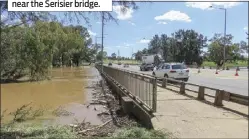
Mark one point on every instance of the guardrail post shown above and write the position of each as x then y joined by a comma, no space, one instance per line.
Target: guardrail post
154,101
182,88
201,93
218,98
164,83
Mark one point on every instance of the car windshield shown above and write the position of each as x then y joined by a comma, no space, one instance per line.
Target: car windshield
179,66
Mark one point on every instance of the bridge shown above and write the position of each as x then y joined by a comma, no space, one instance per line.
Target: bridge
168,104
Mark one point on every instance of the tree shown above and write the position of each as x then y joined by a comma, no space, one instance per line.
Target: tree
181,46
138,55
243,47
216,49
154,45
30,50
113,56
99,55
156,60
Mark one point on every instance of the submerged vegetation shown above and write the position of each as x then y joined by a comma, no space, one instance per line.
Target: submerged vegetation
20,128
30,50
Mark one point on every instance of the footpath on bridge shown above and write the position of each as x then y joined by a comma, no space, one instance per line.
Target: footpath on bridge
186,117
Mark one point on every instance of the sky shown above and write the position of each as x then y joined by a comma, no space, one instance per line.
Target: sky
135,28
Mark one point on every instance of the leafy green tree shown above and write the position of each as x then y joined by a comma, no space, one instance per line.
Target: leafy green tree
114,56
99,55
216,49
30,50
181,46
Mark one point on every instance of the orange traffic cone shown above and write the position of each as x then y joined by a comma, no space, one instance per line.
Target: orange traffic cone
236,74
216,72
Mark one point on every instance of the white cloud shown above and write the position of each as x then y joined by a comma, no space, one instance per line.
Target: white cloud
127,44
206,5
144,41
98,22
122,12
174,16
118,46
245,28
164,23
107,48
132,23
92,33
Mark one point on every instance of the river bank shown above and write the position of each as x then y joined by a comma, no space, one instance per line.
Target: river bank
100,116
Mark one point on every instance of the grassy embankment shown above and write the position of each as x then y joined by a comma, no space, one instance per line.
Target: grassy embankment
205,63
22,127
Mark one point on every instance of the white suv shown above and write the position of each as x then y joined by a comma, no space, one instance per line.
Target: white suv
172,70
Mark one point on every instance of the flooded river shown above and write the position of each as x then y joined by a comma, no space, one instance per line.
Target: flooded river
66,86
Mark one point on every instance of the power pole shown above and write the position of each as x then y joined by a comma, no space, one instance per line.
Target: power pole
102,42
224,50
118,55
96,41
132,55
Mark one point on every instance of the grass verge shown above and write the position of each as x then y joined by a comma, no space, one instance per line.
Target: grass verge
19,130
229,64
205,63
19,127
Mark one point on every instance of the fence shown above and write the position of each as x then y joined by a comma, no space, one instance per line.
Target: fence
219,96
203,91
142,88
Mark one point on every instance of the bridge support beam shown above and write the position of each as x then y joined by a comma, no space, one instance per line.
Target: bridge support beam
127,104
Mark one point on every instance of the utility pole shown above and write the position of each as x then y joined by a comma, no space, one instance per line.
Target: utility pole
224,50
132,55
224,41
102,42
118,56
96,41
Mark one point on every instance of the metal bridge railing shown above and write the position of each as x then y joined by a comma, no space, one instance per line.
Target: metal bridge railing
143,88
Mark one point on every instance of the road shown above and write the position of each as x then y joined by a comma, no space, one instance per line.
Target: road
224,80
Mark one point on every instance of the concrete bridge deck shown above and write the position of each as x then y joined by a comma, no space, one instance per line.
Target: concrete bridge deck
187,117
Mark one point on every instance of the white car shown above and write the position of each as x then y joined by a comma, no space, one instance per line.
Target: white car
177,71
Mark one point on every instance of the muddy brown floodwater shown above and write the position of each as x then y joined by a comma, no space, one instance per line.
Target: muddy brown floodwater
65,88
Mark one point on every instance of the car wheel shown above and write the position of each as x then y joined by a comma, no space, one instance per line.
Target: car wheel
166,76
186,79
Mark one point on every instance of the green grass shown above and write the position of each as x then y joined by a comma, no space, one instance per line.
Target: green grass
21,130
138,132
205,63
229,64
22,127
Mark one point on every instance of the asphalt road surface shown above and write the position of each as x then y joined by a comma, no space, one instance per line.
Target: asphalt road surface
224,80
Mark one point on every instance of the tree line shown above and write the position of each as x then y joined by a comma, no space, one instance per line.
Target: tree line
187,46
30,49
